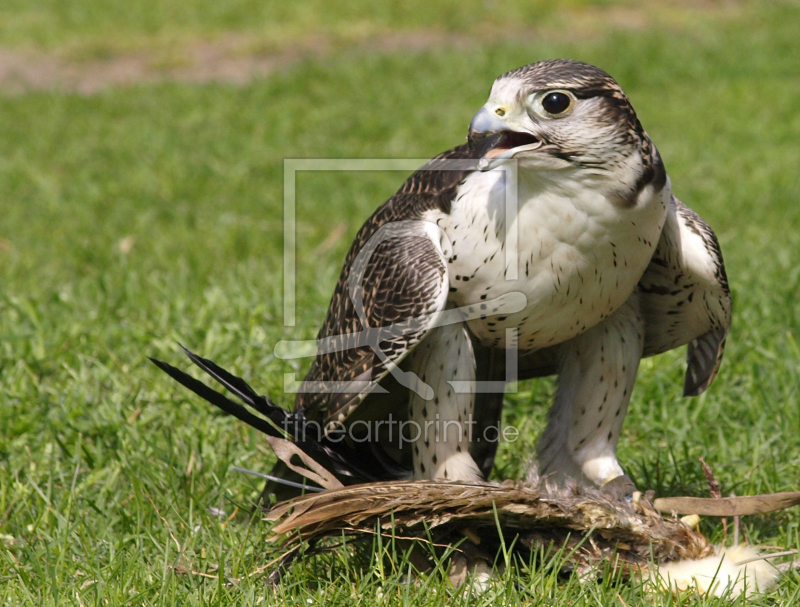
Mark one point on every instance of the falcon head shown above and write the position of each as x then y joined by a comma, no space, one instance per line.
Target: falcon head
559,114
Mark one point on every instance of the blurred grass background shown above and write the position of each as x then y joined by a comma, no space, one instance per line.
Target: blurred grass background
152,213
103,27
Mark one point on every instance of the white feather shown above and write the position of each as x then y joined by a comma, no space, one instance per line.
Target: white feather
724,574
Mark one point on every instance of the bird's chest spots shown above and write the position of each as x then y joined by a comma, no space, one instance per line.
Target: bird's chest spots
576,261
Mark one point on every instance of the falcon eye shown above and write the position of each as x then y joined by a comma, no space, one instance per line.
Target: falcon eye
556,103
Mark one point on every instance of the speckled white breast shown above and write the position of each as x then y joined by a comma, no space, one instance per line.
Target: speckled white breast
579,253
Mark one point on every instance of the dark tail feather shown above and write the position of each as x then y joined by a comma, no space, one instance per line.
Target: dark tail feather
337,456
239,387
326,455
220,400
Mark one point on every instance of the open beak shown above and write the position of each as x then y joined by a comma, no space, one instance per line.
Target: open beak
493,140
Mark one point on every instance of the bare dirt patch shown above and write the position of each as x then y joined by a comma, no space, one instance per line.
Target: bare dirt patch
202,62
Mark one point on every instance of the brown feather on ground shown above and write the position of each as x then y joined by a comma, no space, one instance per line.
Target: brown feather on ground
538,514
592,527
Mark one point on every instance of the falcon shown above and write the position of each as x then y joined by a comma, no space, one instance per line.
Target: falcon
594,265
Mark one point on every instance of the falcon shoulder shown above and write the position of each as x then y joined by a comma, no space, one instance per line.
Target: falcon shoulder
392,287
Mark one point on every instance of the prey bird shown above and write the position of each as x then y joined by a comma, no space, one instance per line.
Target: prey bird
591,266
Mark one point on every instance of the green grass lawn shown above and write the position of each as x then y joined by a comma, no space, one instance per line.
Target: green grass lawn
143,216
102,28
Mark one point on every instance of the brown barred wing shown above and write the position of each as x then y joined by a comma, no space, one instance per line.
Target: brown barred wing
392,290
392,287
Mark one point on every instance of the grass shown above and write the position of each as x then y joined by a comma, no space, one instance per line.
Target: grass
103,27
138,217
97,29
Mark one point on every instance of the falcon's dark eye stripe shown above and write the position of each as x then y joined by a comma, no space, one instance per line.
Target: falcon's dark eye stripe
556,103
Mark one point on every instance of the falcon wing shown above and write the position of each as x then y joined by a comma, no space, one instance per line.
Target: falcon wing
685,296
392,288
685,299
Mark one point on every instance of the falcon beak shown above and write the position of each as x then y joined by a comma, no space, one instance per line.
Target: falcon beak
486,122
494,140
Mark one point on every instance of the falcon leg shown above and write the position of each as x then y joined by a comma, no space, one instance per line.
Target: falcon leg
442,427
596,373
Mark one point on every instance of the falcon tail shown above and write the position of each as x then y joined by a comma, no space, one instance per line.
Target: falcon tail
275,414
275,421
